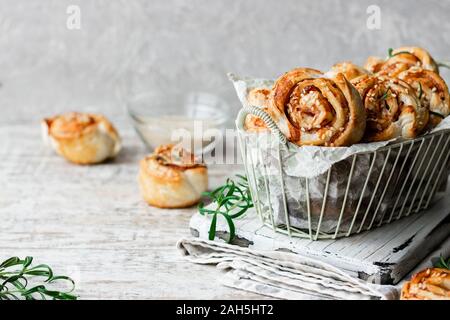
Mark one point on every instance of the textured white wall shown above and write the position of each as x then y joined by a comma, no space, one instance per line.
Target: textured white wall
172,45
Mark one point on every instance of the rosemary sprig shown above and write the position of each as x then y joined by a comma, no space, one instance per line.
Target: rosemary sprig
231,201
385,95
420,91
442,263
392,54
15,276
436,114
444,64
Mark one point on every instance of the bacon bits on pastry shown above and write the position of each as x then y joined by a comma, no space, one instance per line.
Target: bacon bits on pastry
392,108
172,178
431,90
404,58
429,284
348,69
311,109
82,138
258,97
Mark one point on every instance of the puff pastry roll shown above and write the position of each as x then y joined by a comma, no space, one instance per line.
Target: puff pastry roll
258,97
431,90
429,284
311,109
172,178
404,58
373,64
392,108
348,69
82,138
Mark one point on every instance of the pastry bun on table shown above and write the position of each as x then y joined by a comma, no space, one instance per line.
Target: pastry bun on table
431,90
82,138
429,284
348,69
258,97
392,108
312,109
172,178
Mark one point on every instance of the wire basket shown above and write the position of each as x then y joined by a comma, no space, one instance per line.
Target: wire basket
357,194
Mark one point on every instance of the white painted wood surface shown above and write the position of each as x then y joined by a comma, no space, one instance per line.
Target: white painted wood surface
90,222
383,256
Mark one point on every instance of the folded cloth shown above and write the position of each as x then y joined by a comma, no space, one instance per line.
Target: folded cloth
279,274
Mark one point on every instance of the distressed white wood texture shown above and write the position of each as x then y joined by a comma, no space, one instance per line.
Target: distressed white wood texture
384,255
89,222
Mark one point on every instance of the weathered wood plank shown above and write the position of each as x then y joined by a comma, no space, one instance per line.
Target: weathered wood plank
90,222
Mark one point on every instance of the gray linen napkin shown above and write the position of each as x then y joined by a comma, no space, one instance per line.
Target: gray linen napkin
280,275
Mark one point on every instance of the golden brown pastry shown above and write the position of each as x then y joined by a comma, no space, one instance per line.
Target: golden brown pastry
82,138
402,59
429,284
311,109
348,69
172,178
373,64
392,108
258,97
431,90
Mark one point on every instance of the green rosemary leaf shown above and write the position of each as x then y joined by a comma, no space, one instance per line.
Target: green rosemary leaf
436,114
390,50
385,95
231,201
444,64
230,226
212,228
14,281
10,262
442,263
392,54
420,91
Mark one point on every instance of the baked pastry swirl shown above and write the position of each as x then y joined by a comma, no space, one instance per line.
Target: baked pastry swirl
429,284
258,97
348,69
402,59
431,90
172,178
392,108
82,138
311,109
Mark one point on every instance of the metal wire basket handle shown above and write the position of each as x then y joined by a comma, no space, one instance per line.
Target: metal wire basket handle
257,111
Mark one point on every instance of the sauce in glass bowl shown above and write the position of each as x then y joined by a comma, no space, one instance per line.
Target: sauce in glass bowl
194,119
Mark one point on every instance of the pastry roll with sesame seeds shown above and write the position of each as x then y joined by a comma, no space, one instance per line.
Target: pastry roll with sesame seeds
172,177
402,59
258,97
373,64
81,138
348,69
429,284
431,90
392,108
312,109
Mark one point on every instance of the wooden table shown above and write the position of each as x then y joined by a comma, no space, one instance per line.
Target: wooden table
90,222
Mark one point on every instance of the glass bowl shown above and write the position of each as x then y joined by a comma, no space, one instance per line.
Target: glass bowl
194,119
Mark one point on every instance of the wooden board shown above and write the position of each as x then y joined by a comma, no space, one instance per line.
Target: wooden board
383,255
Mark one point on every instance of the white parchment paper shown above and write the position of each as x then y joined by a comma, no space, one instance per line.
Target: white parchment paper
310,161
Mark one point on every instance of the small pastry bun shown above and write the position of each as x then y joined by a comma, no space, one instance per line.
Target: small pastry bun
171,178
429,284
81,138
348,69
258,97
